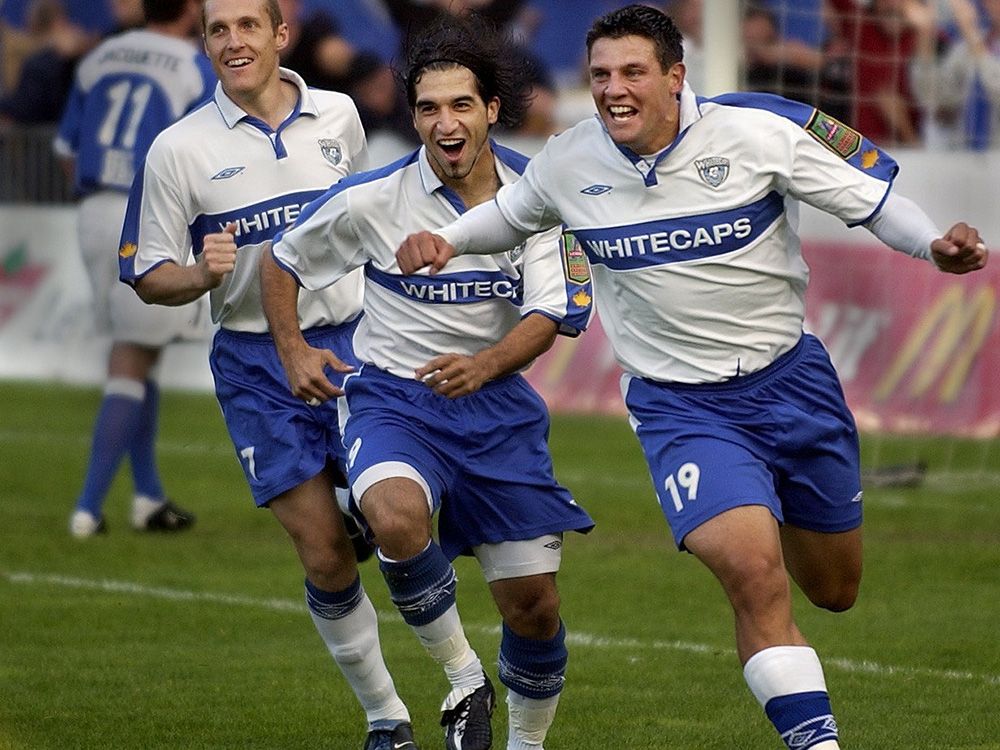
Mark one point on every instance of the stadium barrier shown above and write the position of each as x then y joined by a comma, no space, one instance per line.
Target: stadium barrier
917,350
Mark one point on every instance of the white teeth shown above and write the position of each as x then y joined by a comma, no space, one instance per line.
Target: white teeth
620,110
239,62
451,142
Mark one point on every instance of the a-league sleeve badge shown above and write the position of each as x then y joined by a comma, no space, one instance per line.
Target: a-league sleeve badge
574,260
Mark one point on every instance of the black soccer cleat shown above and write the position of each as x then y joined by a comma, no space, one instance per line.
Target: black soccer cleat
363,549
168,517
398,738
467,725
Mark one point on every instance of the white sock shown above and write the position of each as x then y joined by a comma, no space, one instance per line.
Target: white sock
354,644
529,720
445,641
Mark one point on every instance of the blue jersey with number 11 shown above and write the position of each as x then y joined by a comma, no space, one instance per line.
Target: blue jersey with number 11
127,90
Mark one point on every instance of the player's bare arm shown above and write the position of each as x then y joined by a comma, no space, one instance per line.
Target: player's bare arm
961,250
171,284
305,366
424,249
455,375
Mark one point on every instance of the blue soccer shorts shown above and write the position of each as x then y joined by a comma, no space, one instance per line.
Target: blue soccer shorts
482,459
781,437
280,440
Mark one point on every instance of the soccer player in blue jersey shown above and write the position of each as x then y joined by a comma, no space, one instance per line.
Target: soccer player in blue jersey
683,208
126,91
223,182
438,419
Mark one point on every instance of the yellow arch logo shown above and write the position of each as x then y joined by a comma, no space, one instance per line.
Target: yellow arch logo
945,343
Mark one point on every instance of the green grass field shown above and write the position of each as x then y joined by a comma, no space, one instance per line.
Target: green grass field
202,641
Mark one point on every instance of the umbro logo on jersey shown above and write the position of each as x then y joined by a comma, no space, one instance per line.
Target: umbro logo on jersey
228,172
596,189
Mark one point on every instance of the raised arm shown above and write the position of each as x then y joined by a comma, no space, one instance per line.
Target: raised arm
483,230
903,226
455,375
172,284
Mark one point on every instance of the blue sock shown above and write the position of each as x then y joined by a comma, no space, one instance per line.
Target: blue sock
334,605
114,431
534,669
802,719
423,587
142,450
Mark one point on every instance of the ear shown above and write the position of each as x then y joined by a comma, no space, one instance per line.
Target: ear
675,77
281,36
493,110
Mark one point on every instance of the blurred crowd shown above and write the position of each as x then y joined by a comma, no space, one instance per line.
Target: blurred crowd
904,72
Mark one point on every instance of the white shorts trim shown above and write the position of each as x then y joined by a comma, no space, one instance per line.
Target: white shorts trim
518,559
389,470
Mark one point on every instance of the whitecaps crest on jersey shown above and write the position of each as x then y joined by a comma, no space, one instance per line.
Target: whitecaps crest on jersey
331,150
713,170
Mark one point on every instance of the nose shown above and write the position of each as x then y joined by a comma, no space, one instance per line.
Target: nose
615,85
447,122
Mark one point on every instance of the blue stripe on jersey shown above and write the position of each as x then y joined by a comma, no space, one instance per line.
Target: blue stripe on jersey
867,157
513,159
450,288
654,243
354,179
255,223
129,242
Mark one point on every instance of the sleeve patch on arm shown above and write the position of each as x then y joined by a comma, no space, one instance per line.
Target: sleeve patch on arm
835,135
574,260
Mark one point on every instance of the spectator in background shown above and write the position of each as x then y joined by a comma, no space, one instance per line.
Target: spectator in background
881,43
46,75
789,67
127,14
132,86
960,87
327,60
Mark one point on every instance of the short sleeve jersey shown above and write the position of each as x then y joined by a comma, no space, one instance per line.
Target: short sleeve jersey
471,305
697,268
126,91
220,166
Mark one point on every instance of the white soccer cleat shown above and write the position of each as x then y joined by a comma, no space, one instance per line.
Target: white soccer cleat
83,524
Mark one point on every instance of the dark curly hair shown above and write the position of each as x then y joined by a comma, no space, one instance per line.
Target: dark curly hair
644,21
473,42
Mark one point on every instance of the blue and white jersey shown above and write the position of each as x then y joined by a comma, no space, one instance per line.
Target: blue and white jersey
469,306
126,91
220,165
697,268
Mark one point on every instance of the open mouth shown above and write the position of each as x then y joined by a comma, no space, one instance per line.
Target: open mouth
238,62
452,147
622,112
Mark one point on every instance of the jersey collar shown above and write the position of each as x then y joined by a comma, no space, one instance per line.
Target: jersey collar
232,113
689,114
431,182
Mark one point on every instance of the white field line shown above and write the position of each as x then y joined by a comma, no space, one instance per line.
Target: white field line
586,640
944,481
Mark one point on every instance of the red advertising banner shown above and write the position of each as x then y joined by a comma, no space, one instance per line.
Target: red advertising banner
917,350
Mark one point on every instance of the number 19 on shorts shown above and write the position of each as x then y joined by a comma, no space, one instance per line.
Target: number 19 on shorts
683,486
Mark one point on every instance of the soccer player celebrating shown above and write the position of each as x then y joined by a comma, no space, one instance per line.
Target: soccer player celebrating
680,205
224,181
126,91
438,416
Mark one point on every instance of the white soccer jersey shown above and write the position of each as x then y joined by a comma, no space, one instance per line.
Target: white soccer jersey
125,92
411,319
697,269
220,165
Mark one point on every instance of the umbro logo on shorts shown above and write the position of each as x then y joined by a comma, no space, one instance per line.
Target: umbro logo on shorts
554,544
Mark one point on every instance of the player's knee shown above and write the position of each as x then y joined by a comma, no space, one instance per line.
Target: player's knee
533,613
754,581
837,596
